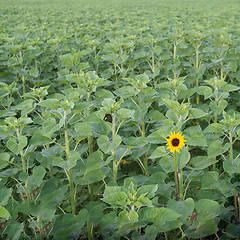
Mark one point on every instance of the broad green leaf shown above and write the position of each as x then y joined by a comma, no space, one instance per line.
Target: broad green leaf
185,208
143,201
4,160
202,162
83,129
15,147
38,175
126,91
230,88
64,164
116,199
157,136
34,72
172,105
196,113
14,230
194,136
207,207
50,103
159,152
218,107
106,146
205,90
167,163
125,113
183,157
40,140
226,187
143,78
4,213
147,191
50,126
5,194
25,107
160,216
210,180
45,211
214,127
216,148
202,229
67,224
155,115
94,162
91,177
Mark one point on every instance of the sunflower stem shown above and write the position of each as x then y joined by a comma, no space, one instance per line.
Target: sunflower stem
180,184
176,175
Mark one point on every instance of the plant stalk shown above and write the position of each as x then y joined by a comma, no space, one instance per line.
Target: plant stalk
181,184
72,192
176,175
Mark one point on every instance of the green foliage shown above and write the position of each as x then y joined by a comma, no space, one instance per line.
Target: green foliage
89,92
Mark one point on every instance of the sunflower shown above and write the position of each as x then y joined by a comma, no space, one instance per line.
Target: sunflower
175,142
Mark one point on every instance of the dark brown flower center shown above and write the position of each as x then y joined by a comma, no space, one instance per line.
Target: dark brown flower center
175,142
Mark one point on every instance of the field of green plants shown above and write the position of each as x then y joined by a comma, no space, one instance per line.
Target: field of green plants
90,92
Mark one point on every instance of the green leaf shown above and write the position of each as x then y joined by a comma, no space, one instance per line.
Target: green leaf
203,229
67,224
15,147
38,175
183,157
4,213
185,208
159,152
214,128
210,180
202,162
157,136
172,105
216,148
5,194
233,65
226,187
147,191
39,140
133,215
126,91
25,107
143,201
45,211
204,90
51,194
218,107
125,113
50,126
167,163
143,78
160,216
116,199
14,230
34,72
50,103
91,177
194,136
65,164
155,115
196,113
230,88
4,160
94,162
106,146
83,129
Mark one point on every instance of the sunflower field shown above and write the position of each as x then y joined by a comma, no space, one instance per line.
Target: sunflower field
119,119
